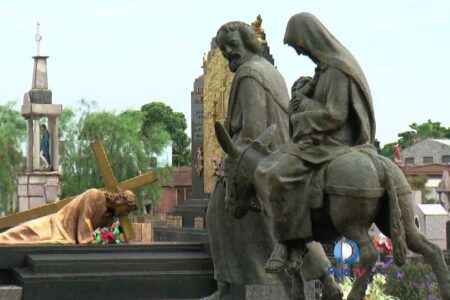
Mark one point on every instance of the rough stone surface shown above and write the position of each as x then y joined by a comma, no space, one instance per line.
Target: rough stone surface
22,179
41,109
261,292
36,201
10,292
197,150
53,179
42,187
22,190
23,203
36,179
51,192
35,190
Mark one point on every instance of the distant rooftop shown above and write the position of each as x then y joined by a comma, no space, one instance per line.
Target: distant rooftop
442,141
426,169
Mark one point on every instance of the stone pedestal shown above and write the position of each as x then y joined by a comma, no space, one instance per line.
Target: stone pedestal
10,292
38,188
142,233
431,219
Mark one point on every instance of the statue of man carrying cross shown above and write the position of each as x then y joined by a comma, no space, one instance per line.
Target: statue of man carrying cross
73,220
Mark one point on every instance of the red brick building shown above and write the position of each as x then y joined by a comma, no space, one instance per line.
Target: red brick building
175,192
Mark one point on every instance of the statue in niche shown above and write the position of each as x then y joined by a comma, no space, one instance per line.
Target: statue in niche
327,181
44,147
258,98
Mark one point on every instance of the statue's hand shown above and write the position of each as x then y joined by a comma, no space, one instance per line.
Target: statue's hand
295,104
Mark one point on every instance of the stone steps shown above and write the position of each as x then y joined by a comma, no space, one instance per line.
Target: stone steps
117,262
163,234
116,285
153,271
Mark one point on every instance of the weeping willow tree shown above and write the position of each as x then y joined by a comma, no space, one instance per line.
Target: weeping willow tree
12,162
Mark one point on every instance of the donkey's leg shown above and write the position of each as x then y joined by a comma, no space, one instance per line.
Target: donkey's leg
293,286
419,244
315,265
352,218
368,256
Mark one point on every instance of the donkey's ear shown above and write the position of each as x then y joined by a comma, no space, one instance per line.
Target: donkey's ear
267,136
225,141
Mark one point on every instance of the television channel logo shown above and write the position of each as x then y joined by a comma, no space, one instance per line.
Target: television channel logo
347,252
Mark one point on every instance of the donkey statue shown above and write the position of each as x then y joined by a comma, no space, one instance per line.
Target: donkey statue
361,188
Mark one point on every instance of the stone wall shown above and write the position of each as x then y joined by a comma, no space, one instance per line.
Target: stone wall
38,188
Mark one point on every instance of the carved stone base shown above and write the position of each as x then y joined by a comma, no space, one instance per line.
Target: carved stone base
38,188
10,292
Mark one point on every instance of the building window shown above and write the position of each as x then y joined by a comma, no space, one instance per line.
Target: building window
446,159
427,159
409,161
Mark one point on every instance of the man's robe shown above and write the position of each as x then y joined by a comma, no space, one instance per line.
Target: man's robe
73,224
240,247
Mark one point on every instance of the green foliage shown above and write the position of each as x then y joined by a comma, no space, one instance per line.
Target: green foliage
12,135
417,182
375,291
124,144
414,281
388,150
419,132
160,116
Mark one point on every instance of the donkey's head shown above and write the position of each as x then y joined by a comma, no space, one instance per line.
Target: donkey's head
240,165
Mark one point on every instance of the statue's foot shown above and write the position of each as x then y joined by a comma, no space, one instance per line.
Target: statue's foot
295,261
330,289
277,261
332,293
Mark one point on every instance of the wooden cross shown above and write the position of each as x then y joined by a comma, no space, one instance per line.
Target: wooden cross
110,185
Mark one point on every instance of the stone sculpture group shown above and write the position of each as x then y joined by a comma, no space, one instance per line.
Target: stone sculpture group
308,164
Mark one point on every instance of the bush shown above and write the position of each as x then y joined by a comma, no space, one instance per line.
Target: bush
414,281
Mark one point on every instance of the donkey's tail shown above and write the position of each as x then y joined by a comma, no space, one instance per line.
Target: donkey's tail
396,226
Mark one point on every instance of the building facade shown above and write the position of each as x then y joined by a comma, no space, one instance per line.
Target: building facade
428,151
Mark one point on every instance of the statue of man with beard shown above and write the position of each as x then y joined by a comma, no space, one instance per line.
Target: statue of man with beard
258,99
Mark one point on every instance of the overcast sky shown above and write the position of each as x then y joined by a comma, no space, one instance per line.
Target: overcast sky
124,54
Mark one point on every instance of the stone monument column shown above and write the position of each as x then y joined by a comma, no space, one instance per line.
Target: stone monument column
39,185
36,142
30,145
54,142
